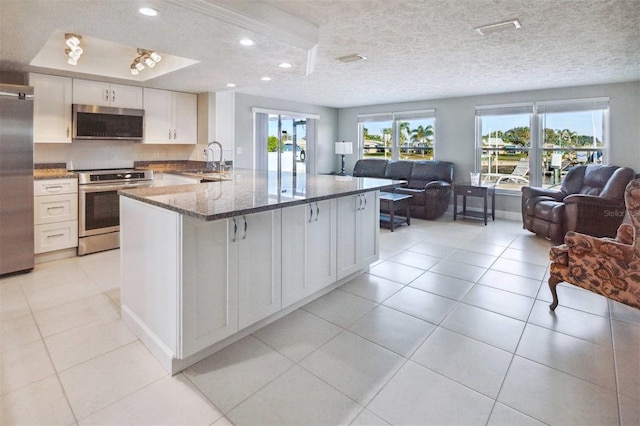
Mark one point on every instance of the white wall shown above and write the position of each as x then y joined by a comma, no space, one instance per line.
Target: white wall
455,125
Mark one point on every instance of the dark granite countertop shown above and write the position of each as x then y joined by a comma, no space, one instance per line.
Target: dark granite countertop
252,191
43,171
171,166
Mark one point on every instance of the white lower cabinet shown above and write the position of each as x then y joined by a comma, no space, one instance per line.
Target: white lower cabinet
308,249
358,223
258,253
209,291
55,215
230,276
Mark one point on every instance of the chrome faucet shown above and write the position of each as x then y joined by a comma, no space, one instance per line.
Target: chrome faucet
221,161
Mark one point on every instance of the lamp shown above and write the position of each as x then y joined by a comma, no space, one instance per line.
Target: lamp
73,49
344,148
145,57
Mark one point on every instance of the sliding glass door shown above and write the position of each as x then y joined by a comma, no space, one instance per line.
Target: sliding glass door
287,144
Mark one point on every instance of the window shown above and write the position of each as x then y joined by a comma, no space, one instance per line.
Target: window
572,133
398,136
504,145
537,144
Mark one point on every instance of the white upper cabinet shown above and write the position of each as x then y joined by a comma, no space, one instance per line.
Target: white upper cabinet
185,115
87,92
51,108
170,117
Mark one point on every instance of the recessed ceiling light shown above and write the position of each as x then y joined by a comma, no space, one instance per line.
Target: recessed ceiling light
265,78
147,11
231,85
285,65
247,42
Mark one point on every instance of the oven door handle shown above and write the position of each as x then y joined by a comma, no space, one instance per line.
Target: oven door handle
102,187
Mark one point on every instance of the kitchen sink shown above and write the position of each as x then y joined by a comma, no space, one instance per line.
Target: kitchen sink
209,175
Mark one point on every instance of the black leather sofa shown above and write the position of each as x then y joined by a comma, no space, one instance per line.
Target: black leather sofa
428,182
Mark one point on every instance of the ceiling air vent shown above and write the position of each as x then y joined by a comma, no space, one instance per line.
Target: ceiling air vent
513,24
351,58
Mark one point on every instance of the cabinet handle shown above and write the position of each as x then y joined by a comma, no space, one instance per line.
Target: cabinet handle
67,131
245,227
50,188
106,95
364,197
169,133
310,213
174,134
55,235
55,208
235,230
317,212
113,96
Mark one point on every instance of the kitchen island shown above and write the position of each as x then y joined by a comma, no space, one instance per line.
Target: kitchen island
204,265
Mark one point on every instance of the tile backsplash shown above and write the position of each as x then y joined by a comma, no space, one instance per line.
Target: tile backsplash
84,155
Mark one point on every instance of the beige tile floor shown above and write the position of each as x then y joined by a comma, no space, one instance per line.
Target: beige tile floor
451,326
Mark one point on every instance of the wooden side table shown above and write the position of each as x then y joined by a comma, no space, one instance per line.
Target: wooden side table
468,190
390,201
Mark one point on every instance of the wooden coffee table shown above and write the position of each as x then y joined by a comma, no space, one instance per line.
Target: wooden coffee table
391,201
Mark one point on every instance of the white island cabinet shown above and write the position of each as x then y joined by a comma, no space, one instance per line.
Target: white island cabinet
204,265
308,249
358,242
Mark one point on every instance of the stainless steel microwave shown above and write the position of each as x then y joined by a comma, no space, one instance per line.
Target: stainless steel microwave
99,122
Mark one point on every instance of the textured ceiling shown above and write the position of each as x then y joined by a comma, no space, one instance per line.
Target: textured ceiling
416,49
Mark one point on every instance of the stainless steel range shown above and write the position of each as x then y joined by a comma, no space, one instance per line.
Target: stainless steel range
99,205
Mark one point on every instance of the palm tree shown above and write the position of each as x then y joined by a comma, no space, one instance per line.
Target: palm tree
568,136
422,134
404,132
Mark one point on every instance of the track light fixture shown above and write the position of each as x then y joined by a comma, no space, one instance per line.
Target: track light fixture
145,57
73,50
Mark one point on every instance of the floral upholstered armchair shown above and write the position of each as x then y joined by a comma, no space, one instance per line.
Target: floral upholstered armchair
609,267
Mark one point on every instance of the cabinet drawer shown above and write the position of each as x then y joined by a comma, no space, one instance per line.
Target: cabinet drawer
55,187
55,208
474,191
56,236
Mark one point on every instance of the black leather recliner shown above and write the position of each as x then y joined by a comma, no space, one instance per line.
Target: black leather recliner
590,201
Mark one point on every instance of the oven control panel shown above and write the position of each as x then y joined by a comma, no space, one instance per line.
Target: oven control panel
117,176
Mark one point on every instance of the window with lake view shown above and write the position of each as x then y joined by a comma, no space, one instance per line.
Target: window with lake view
398,136
536,144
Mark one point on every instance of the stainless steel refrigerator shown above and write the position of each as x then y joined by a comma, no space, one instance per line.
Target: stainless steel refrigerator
16,178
